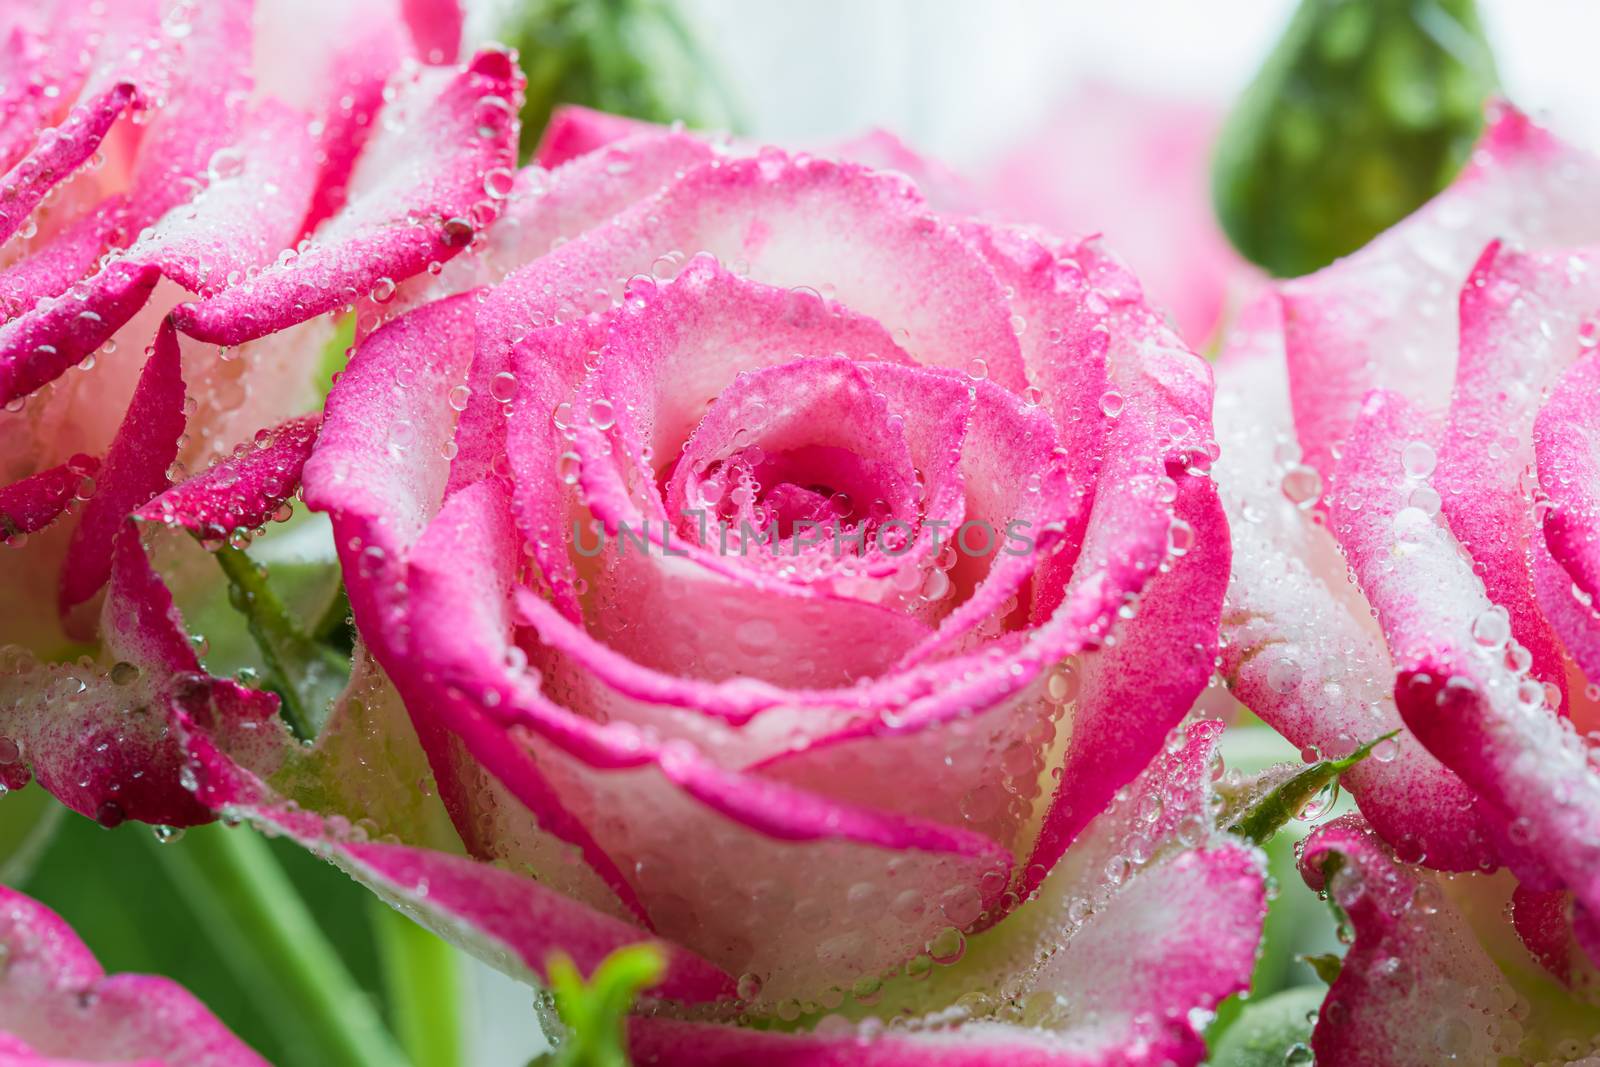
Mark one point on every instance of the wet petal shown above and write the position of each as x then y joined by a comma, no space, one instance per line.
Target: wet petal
57,1003
406,208
135,470
1385,316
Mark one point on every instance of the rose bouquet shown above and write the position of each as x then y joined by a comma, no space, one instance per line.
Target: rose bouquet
769,558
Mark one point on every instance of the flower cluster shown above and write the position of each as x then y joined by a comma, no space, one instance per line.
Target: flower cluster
878,795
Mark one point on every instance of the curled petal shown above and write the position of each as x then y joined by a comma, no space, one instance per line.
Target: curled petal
244,490
99,735
1520,321
406,208
1567,559
435,27
57,1004
1460,690
61,331
60,152
575,131
1299,648
135,469
32,504
1382,317
1416,988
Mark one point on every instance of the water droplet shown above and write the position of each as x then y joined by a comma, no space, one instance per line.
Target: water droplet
498,182
1418,458
503,387
1492,629
1302,485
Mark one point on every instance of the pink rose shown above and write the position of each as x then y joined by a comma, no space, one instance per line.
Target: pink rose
1461,608
159,153
816,768
57,1007
152,153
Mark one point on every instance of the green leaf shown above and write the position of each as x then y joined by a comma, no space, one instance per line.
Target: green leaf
628,57
422,983
1275,1032
264,929
1364,110
593,1012
28,820
1264,815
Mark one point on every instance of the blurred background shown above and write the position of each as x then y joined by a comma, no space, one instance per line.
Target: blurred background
962,80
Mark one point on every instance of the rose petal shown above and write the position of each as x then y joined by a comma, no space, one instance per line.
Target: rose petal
1162,531
250,210
60,152
406,209
435,27
331,61
1383,317
381,498
57,999
32,504
98,736
245,489
207,91
135,469
1456,690
1299,646
1520,321
251,207
1416,987
1566,559
70,255
575,131
889,259
774,831
1107,957
57,333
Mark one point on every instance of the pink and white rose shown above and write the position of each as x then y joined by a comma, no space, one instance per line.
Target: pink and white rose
894,772
1408,467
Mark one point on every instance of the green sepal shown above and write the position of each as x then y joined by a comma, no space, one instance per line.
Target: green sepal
628,57
594,1012
1326,964
1264,815
1272,1032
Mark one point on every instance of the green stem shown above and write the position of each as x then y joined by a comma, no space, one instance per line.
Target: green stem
422,982
305,673
259,922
